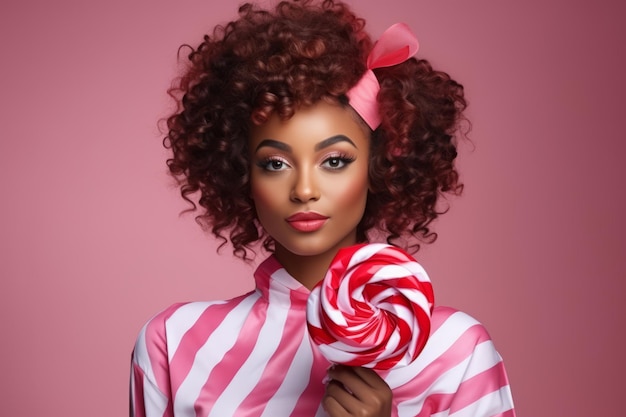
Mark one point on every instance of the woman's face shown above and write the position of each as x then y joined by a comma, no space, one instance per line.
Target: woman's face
309,179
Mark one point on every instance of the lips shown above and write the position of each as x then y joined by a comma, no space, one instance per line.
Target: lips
307,222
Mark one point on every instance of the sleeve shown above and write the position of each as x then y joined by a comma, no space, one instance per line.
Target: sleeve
150,394
483,388
458,374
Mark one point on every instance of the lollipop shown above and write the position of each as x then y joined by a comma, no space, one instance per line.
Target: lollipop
372,309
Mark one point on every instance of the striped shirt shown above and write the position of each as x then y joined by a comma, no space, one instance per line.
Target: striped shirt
251,356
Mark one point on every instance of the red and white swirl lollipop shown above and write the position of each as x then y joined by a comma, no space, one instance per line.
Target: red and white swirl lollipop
372,309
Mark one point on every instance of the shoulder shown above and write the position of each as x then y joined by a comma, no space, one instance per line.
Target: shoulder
457,336
459,370
459,348
462,345
162,333
151,343
451,322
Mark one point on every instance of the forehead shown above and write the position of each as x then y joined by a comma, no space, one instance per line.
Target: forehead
312,124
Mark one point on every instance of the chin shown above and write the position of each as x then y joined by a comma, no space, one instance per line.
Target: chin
308,248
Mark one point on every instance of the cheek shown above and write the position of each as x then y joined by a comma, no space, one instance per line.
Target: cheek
258,188
260,197
265,198
352,191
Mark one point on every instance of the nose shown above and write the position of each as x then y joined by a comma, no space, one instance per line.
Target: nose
305,187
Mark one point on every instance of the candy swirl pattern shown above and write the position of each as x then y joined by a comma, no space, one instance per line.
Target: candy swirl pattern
372,308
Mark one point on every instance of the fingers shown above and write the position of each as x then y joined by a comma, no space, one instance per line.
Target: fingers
355,391
359,382
370,377
338,401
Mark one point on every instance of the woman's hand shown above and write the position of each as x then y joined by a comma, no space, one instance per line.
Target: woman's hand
356,391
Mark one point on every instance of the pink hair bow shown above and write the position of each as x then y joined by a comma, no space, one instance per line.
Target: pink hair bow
396,45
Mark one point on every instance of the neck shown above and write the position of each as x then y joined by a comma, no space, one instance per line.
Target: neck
308,270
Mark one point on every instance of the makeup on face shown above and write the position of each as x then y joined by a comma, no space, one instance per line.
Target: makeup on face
309,179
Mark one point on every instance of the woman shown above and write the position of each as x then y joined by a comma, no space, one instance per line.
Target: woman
295,133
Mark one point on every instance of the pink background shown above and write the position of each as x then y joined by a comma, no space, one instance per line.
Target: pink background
92,244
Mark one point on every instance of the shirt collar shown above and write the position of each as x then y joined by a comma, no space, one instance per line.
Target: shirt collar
277,286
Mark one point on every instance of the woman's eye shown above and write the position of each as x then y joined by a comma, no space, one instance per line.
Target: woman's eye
337,162
273,165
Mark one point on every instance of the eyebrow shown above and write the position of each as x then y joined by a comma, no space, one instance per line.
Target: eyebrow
323,144
332,140
273,144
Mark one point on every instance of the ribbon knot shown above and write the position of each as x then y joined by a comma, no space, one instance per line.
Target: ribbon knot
396,45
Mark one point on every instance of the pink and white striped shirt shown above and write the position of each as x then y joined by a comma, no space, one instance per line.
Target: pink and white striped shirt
252,356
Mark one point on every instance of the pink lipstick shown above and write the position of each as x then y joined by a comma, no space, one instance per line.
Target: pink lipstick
307,222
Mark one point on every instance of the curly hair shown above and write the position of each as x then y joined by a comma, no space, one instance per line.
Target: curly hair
275,61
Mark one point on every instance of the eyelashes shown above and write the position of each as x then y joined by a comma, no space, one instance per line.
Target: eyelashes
335,162
272,164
